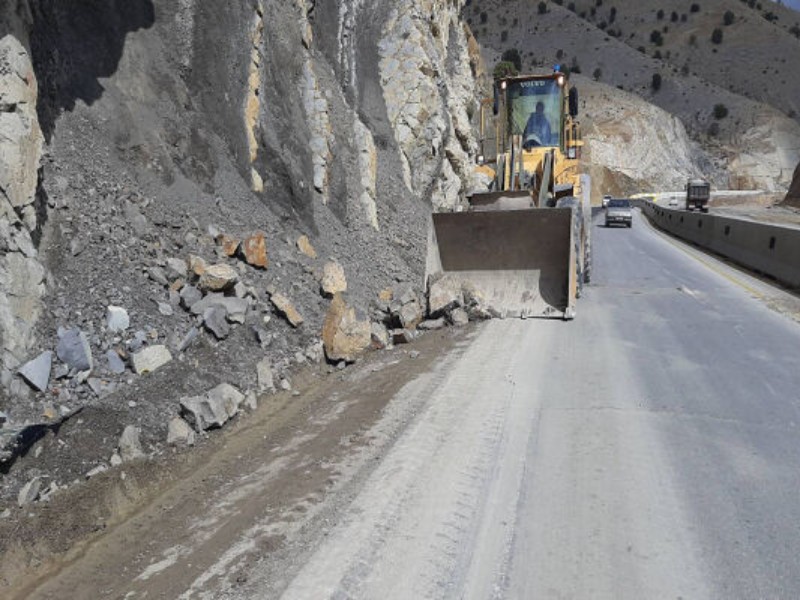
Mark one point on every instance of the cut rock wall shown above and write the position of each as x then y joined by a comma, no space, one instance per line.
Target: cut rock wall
21,141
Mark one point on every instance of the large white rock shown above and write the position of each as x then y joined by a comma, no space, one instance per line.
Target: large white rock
117,319
130,447
179,432
37,371
150,359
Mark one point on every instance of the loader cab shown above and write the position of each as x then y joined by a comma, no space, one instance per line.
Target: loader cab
536,111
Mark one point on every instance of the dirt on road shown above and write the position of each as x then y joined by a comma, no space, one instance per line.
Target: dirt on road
178,522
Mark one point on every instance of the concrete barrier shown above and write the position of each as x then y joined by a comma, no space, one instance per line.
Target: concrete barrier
769,249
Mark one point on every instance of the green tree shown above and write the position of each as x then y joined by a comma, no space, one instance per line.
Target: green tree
512,55
728,18
720,111
504,69
656,38
655,83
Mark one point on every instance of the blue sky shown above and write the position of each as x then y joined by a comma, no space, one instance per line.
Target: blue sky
795,4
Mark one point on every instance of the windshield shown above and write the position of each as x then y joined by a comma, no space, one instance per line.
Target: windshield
619,204
535,112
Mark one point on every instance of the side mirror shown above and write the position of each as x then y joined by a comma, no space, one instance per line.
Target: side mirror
573,102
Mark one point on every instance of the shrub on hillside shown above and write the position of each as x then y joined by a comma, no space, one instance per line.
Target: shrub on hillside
728,18
655,83
795,30
512,55
713,129
542,8
656,38
504,69
673,17
597,74
716,36
484,18
720,111
660,14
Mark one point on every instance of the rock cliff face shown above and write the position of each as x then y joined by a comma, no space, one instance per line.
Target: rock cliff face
633,145
168,123
21,209
793,197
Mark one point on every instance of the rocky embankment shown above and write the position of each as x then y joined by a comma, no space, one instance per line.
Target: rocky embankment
199,199
793,197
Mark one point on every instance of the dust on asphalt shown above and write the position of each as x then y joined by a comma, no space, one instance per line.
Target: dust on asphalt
94,539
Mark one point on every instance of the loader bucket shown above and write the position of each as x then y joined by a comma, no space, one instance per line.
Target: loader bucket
517,263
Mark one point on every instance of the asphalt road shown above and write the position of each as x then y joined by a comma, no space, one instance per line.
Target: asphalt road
648,449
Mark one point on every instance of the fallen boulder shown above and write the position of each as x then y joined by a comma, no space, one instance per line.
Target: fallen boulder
150,359
213,409
29,492
304,245
217,278
130,448
343,335
287,309
37,371
180,433
73,350
117,319
254,251
333,279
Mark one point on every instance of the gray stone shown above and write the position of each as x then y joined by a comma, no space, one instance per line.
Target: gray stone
179,433
188,339
266,381
139,338
115,460
251,400
96,471
150,359
218,277
37,371
73,350
117,319
101,388
433,324
230,398
157,274
235,308
3,418
29,492
459,317
130,448
410,314
115,363
414,354
214,319
379,336
176,269
190,296
203,413
444,295
165,308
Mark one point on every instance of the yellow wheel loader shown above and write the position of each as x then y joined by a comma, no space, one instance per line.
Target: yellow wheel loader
521,249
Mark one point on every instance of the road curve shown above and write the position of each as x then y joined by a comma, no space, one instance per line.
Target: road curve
648,449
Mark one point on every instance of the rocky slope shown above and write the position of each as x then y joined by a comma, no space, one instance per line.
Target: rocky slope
217,183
